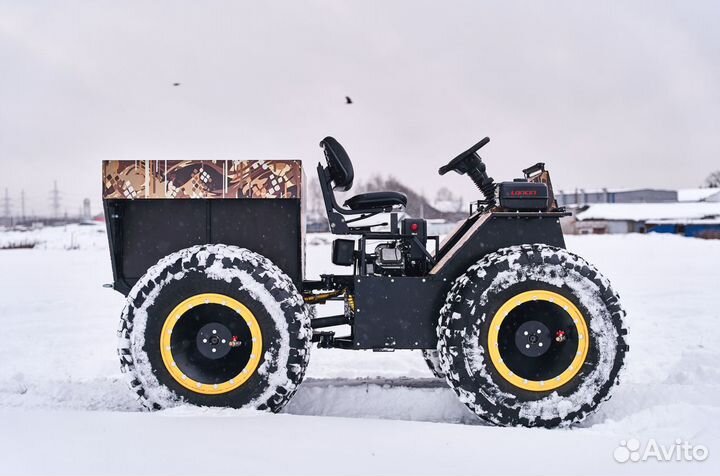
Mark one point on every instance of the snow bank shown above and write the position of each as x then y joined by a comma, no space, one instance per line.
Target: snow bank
58,360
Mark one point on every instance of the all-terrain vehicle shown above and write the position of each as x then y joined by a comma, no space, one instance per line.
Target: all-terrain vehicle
210,255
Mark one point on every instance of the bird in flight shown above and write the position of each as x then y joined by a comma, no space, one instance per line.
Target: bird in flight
348,100
176,84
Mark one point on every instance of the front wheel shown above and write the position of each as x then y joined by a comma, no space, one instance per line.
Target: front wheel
532,335
215,325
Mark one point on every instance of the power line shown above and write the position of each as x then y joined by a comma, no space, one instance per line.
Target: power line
22,205
55,200
6,205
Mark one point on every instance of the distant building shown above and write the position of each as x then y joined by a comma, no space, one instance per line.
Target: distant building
581,197
699,195
708,228
687,218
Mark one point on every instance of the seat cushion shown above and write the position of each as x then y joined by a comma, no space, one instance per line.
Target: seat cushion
373,200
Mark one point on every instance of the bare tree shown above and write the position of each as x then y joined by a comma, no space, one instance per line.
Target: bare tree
314,198
713,180
448,201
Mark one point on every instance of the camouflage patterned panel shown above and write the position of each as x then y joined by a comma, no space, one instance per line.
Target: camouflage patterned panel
130,179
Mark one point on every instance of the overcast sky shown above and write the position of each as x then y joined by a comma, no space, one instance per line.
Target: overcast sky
608,94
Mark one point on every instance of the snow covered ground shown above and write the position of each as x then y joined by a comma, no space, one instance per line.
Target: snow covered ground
65,409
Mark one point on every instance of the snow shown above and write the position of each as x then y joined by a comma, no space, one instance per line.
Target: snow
65,407
698,194
649,211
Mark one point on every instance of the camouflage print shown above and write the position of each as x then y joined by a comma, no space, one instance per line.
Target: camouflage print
130,179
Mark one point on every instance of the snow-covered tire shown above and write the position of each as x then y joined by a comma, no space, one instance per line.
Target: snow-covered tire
255,299
489,292
433,362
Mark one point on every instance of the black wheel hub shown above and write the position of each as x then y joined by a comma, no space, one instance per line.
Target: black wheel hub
533,338
526,340
213,340
203,346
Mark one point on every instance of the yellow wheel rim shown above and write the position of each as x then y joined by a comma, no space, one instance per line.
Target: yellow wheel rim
580,326
166,349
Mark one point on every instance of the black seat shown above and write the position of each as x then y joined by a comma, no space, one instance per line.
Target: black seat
339,165
376,200
339,175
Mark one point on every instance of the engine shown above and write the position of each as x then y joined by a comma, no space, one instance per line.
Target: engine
405,257
387,260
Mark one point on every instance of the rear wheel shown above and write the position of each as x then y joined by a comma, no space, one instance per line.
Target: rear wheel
215,325
433,362
532,335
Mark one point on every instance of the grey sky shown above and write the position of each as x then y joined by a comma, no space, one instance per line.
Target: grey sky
607,93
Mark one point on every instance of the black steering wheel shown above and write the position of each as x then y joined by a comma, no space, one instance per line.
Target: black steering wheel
464,162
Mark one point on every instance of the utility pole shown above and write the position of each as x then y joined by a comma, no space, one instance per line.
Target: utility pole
86,213
55,200
6,208
22,205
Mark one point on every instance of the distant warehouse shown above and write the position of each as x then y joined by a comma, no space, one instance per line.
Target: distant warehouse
700,219
581,197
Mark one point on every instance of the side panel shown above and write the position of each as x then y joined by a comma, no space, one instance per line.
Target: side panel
142,231
495,231
397,313
402,312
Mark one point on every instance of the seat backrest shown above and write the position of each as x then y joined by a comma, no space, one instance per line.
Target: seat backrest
339,165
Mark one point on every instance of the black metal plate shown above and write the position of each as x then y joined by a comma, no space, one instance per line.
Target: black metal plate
141,232
397,313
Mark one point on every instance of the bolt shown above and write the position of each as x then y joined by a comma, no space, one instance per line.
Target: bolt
215,332
214,349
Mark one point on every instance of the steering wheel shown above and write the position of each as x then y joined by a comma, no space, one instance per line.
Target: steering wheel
463,162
